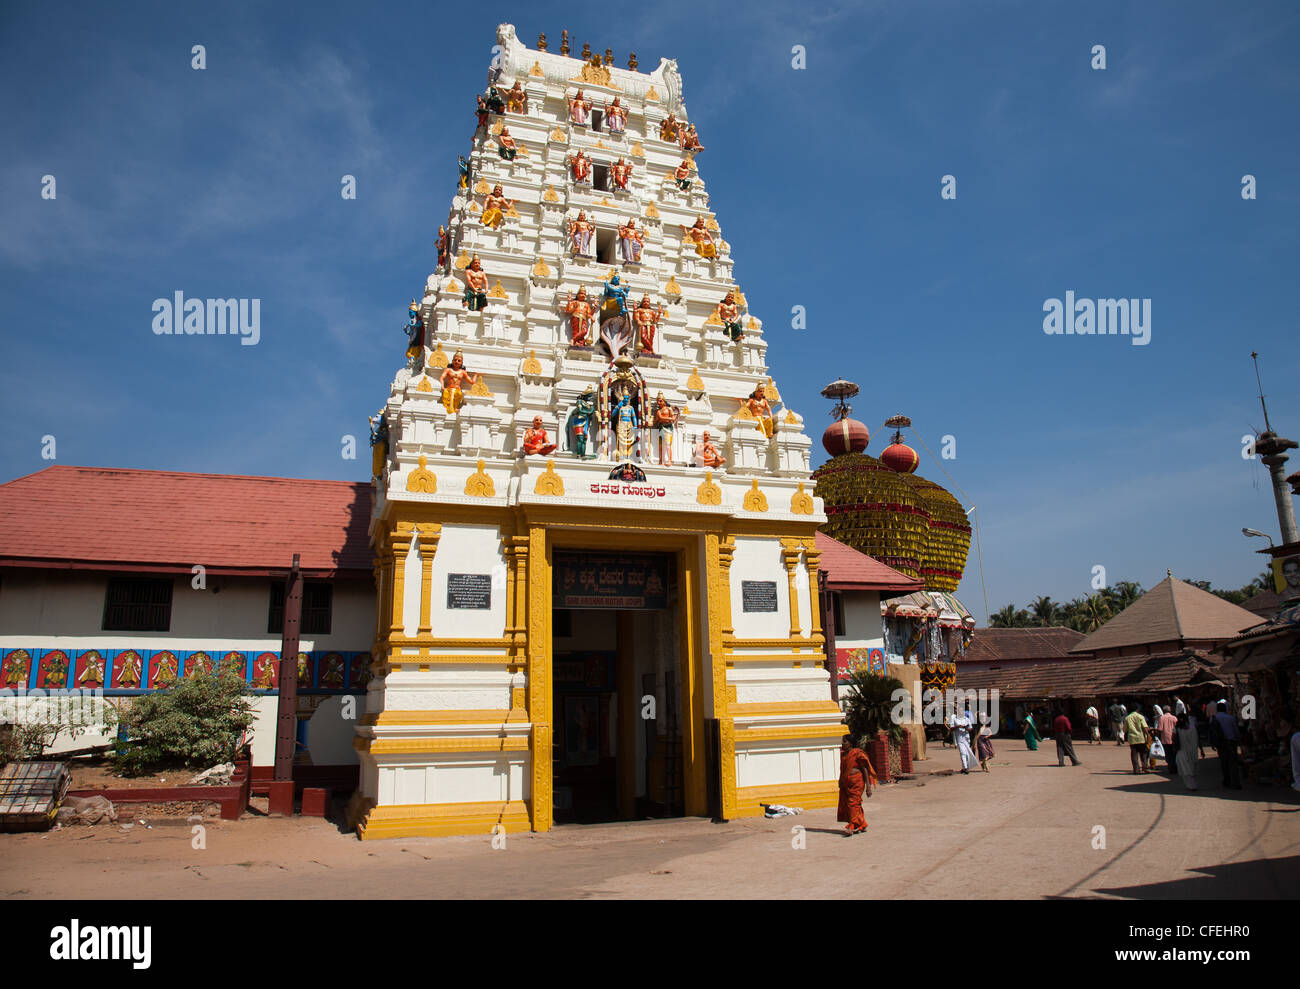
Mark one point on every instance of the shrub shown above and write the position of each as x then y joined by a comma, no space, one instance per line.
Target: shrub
198,722
869,705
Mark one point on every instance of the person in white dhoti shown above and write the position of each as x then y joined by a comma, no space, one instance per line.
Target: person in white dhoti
1188,744
961,725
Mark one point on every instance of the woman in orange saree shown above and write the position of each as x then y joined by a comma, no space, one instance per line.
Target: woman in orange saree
856,775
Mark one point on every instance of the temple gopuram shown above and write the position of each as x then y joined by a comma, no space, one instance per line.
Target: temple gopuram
593,520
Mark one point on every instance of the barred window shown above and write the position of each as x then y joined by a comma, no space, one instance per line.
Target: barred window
138,604
317,607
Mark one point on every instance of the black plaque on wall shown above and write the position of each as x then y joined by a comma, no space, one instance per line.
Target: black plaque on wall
758,595
469,591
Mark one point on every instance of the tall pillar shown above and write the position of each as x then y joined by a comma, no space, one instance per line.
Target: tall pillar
1272,451
539,676
429,534
399,542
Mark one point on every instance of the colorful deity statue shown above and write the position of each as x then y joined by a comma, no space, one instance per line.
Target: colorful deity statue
494,101
481,111
494,208
414,332
729,313
706,452
475,297
690,140
93,674
761,410
378,444
646,317
580,310
579,109
506,146
682,176
443,244
619,173
55,665
665,420
626,423
580,233
462,181
165,671
630,241
668,128
701,238
516,99
14,671
128,672
304,670
536,439
580,166
584,408
615,294
454,379
264,671
616,115
332,673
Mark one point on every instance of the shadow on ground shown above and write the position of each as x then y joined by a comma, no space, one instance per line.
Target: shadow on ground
1257,879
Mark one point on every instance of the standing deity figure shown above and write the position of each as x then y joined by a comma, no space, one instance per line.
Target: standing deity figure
580,422
264,671
761,410
665,420
494,208
646,317
626,425
14,673
536,439
615,292
579,109
619,173
516,99
690,140
580,310
481,110
94,671
706,453
378,444
128,675
506,146
56,669
682,175
729,312
332,674
580,231
630,240
616,114
701,238
668,128
462,169
475,286
580,165
443,243
454,378
166,674
414,332
494,101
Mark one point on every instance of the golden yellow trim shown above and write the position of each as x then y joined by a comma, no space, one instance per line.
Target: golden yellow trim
835,731
496,129
436,820
801,502
769,390
399,542
784,707
481,187
518,698
559,135
651,94
711,224
466,716
693,382
731,657
498,292
531,364
422,479
425,384
549,482
479,484
790,418
536,70
430,533
452,286
541,269
438,358
539,674
755,500
744,414
636,150
809,796
708,493
409,746
714,319
550,195
461,262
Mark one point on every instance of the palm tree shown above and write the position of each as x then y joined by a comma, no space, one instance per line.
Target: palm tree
1004,617
1044,610
870,705
1094,613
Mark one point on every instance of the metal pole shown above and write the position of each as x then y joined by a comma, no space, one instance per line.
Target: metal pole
286,732
828,630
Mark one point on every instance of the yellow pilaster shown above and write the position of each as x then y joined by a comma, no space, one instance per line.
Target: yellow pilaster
539,674
812,559
430,532
399,542
718,555
790,552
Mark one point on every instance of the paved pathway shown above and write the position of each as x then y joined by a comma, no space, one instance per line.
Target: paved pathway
1025,830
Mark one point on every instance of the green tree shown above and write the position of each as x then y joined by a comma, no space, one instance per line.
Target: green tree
870,704
1044,610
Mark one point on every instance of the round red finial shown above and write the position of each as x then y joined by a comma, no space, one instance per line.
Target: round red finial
900,458
845,436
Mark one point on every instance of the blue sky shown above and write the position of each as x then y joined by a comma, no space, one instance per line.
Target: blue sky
1077,451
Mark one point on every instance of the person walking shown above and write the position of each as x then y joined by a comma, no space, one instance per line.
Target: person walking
1117,713
1094,725
1031,733
1135,729
856,776
984,743
1225,735
1166,729
1188,744
1064,743
961,726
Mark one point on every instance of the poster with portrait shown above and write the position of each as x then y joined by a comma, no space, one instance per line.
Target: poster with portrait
1286,576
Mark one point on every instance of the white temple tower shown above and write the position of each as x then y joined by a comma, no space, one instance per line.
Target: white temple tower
550,635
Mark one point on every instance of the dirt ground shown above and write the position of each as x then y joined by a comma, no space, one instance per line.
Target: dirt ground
97,772
1028,829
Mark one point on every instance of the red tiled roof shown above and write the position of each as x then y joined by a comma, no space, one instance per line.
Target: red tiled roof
1172,611
992,645
1087,677
110,518
847,569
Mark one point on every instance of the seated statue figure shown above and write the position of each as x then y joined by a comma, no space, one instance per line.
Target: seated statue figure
706,452
535,439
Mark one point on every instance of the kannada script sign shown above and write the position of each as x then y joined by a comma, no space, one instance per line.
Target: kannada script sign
611,580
